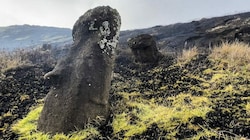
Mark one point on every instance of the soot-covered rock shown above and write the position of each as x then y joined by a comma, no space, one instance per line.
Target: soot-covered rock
144,48
82,80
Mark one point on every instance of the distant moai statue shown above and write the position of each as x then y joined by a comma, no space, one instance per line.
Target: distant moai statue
144,48
81,81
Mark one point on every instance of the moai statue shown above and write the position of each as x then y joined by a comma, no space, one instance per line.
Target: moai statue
81,81
144,49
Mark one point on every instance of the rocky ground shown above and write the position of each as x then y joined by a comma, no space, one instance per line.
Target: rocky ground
20,89
191,85
198,98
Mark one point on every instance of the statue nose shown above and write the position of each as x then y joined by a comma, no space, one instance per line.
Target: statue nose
54,78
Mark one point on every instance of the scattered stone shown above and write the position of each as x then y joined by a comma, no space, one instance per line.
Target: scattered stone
144,48
81,82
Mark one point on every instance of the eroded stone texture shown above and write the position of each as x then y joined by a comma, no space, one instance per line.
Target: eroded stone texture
81,82
144,48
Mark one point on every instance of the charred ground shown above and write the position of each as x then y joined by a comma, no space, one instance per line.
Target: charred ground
198,97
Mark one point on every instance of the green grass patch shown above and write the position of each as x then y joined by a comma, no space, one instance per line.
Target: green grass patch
27,129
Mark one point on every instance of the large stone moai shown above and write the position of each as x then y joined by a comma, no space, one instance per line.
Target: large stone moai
144,48
81,82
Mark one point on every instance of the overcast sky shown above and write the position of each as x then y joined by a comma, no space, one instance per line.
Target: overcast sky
134,13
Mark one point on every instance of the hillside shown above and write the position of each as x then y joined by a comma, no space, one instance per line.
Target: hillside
22,36
201,33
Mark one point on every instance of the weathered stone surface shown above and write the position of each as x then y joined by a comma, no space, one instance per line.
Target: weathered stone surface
144,48
82,80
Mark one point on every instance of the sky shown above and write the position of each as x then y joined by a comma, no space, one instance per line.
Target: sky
135,14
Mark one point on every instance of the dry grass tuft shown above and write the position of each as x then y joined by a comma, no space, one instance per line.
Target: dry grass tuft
37,56
9,60
187,55
233,56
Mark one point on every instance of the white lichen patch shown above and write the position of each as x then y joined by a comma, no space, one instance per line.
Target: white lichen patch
104,29
108,45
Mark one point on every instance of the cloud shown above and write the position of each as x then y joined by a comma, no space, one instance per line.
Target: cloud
62,13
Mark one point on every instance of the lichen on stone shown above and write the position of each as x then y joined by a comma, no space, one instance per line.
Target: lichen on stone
104,29
105,44
108,45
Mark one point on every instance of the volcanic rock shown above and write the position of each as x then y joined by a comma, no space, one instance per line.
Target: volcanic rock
82,80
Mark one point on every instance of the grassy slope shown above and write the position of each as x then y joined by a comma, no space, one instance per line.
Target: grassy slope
198,96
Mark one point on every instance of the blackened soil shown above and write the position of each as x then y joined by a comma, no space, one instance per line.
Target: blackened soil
23,86
20,89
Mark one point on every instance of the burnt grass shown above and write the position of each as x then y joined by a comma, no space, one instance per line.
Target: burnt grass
22,87
168,75
228,123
